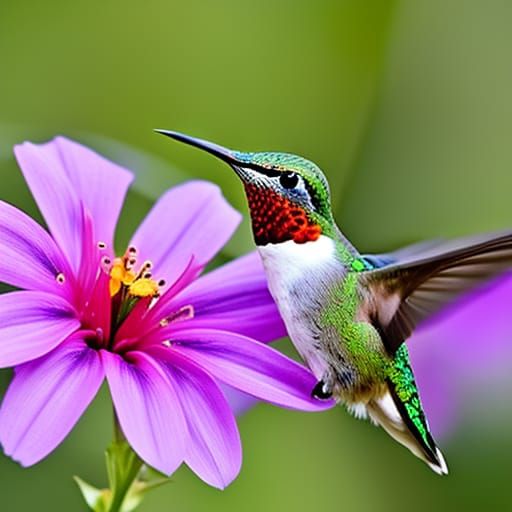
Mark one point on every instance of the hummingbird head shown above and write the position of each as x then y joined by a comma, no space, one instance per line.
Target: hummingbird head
288,196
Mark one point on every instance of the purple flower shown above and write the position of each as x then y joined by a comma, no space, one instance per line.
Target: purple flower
467,347
162,336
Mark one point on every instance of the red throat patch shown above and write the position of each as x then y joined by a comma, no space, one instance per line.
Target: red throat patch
275,219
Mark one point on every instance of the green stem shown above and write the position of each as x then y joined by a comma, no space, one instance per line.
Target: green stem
123,466
120,492
127,484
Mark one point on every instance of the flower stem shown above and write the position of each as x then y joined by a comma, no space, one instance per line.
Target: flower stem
121,491
123,466
129,479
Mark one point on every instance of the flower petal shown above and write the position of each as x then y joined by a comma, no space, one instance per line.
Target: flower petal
441,388
239,402
29,257
148,409
251,367
65,177
47,179
98,310
214,451
32,324
46,398
234,297
192,219
100,184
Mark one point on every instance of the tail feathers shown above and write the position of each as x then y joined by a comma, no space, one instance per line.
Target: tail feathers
385,413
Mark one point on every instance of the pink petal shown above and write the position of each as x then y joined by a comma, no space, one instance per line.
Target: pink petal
64,177
97,311
192,219
100,184
29,257
91,291
235,298
439,387
251,367
239,402
133,327
148,409
59,203
32,324
214,451
46,398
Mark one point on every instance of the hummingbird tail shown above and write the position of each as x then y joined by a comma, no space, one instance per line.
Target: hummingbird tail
397,422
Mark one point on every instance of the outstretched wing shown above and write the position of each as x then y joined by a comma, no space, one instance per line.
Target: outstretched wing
416,282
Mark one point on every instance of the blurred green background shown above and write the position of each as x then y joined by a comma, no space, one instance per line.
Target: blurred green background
407,106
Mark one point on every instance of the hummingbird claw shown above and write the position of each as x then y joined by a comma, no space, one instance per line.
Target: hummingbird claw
322,391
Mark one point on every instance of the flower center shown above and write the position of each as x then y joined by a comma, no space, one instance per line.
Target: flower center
124,279
128,285
131,291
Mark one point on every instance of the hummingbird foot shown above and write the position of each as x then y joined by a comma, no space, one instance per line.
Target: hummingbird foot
322,390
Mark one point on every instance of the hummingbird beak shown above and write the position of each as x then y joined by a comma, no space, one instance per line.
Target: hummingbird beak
220,152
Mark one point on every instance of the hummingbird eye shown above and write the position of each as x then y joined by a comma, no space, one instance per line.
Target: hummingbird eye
289,179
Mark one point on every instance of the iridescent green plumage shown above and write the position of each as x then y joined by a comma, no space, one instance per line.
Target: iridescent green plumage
364,347
404,388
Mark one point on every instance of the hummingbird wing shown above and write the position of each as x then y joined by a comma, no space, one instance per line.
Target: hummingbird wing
416,282
402,254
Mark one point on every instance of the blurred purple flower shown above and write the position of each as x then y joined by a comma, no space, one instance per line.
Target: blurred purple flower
469,345
164,347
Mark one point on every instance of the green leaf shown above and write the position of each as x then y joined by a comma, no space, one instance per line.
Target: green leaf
97,499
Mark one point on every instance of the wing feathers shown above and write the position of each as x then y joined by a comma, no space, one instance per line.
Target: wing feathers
419,283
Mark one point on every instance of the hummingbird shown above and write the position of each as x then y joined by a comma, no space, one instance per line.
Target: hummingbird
349,314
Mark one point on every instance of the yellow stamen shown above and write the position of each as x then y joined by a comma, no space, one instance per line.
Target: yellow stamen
118,270
143,288
114,287
120,275
129,278
138,284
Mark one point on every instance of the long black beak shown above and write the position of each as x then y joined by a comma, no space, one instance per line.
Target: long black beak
219,151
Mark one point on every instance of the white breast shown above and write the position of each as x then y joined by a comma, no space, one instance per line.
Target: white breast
297,275
289,261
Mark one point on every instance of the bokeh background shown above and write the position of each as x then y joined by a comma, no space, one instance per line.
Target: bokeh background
406,105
